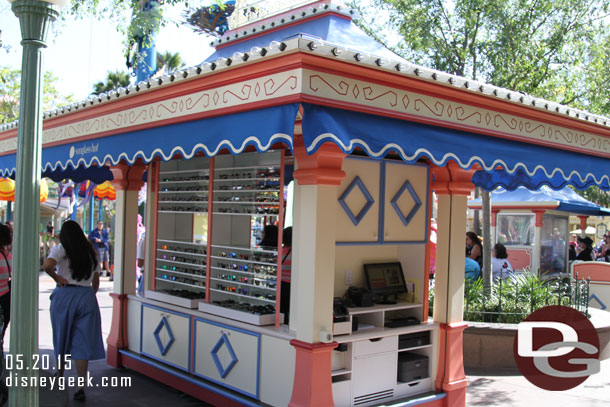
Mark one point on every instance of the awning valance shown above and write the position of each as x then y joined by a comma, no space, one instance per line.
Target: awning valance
523,164
260,128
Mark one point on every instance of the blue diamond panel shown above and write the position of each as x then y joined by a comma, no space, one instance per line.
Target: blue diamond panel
223,371
406,219
356,183
596,298
163,347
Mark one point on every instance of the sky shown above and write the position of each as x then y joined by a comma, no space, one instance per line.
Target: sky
81,51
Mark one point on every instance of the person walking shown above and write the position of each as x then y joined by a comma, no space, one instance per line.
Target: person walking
99,240
75,313
6,271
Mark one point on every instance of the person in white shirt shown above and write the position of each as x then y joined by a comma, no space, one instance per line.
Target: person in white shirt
501,268
75,312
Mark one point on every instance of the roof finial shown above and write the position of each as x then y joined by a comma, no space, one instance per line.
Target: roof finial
249,11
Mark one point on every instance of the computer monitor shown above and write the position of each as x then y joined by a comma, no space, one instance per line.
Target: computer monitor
385,279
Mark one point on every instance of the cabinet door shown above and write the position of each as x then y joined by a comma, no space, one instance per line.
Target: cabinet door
374,375
358,202
227,356
165,336
405,203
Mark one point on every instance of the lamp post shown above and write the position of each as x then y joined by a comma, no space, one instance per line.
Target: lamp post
35,17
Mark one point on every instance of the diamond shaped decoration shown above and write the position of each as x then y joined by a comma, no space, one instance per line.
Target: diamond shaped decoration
406,219
223,371
596,298
357,182
163,347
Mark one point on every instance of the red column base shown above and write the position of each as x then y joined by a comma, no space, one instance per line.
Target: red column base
117,338
312,379
451,378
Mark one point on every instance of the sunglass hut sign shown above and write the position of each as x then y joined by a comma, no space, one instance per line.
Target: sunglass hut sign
84,150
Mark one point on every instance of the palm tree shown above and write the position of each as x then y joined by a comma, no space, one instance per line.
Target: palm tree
114,80
170,61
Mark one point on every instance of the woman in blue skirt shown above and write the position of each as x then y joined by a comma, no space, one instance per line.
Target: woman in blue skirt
75,313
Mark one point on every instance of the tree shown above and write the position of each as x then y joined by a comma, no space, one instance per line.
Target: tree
114,80
530,46
170,61
10,88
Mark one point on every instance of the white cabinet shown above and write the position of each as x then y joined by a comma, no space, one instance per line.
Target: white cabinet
165,336
382,202
227,356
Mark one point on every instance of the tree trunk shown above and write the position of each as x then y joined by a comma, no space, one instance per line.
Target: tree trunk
487,242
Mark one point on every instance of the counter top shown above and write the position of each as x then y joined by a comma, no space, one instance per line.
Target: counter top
379,332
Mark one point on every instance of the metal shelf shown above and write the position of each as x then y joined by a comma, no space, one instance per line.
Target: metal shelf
232,259
245,214
181,242
241,283
246,179
241,295
180,283
202,266
183,212
182,273
185,181
249,273
245,190
179,252
247,203
247,249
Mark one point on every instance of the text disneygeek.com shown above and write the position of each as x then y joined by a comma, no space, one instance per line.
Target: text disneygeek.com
61,383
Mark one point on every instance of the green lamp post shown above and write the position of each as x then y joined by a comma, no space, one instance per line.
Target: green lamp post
35,17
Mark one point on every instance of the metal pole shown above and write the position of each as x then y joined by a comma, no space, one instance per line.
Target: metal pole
91,212
35,17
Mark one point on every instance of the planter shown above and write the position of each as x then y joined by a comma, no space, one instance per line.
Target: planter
489,346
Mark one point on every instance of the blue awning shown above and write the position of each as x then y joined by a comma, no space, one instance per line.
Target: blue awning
524,164
567,200
260,128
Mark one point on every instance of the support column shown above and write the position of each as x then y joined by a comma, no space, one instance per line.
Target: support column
313,266
537,243
127,182
91,212
452,185
494,223
583,226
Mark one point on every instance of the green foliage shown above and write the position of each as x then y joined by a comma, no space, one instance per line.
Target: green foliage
512,300
10,88
594,194
113,81
170,60
530,46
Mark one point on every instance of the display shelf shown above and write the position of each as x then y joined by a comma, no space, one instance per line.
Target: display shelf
246,249
194,192
232,259
199,170
197,265
181,273
250,297
246,203
241,191
245,214
256,167
172,299
181,212
179,252
202,287
181,242
241,283
266,319
192,181
275,179
250,273
182,202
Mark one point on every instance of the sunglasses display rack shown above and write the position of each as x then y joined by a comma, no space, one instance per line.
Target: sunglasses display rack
247,191
233,196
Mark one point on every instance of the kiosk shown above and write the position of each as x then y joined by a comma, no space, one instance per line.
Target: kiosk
297,98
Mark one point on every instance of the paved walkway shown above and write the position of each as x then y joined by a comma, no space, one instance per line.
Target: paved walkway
485,388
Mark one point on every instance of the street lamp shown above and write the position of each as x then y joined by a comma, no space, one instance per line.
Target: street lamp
35,17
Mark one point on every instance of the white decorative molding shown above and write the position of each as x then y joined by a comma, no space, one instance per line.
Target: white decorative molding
251,91
395,100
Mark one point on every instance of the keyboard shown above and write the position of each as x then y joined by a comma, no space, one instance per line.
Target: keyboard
397,323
